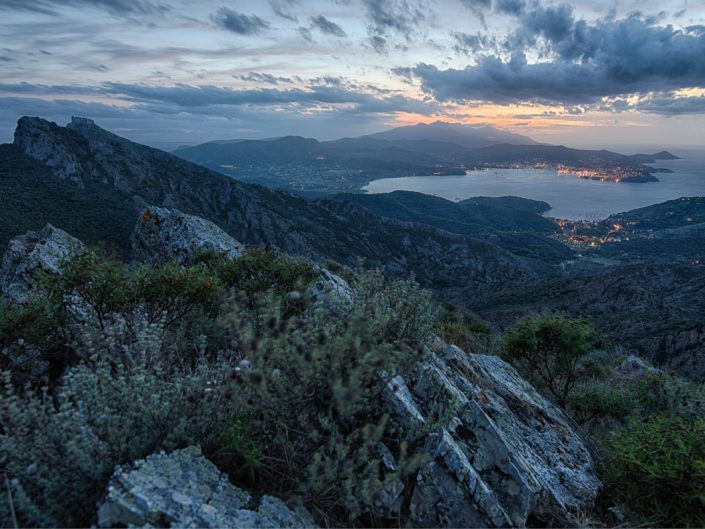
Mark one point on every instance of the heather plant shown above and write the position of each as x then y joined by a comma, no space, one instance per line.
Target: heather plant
457,326
606,399
314,385
547,349
59,450
259,270
28,332
655,469
283,397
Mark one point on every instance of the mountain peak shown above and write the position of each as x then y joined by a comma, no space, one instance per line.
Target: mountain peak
77,122
461,134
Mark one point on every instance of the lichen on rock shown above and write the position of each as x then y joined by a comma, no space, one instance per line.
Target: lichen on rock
184,489
162,235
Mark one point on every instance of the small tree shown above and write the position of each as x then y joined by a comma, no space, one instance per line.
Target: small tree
547,347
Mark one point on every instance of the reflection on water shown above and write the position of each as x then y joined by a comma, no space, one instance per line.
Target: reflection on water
570,197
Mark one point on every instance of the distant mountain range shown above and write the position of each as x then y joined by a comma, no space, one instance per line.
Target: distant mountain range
466,136
307,165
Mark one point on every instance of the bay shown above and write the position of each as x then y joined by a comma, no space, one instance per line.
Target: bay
570,197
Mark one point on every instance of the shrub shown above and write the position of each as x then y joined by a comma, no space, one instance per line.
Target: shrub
314,389
259,270
656,469
457,326
60,450
599,400
547,348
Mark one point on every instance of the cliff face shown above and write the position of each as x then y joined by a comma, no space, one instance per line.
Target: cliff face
84,153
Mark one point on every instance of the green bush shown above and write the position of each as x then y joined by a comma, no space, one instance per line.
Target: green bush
158,364
259,270
661,393
457,326
547,349
655,468
599,400
314,385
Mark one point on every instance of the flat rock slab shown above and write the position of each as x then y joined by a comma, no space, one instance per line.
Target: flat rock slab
184,489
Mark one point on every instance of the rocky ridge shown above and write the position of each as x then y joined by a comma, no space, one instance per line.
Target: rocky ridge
163,235
83,152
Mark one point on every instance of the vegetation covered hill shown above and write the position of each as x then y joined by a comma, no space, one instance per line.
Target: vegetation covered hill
33,196
513,223
88,157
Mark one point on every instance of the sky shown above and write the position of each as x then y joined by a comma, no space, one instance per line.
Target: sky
598,73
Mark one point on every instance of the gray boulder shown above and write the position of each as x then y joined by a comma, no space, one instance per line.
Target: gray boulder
633,368
184,489
45,250
506,457
332,288
162,235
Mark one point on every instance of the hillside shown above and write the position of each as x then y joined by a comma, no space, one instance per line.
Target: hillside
509,222
654,310
84,155
33,196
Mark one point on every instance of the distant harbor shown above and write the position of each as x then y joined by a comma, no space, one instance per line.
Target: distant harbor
572,196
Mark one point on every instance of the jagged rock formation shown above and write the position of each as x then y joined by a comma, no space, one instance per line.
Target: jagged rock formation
163,235
184,489
333,288
84,153
26,254
507,457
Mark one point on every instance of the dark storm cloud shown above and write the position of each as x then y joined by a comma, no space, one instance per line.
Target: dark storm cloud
190,97
402,17
511,7
667,104
327,26
587,62
467,44
118,7
230,20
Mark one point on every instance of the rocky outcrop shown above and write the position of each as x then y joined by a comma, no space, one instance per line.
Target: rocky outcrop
507,456
633,368
184,489
38,138
27,254
163,235
332,288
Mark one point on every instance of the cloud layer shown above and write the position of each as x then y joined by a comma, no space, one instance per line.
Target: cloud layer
579,63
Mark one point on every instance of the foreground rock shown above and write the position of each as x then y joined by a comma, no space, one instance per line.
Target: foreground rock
507,457
162,235
45,250
184,489
332,288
